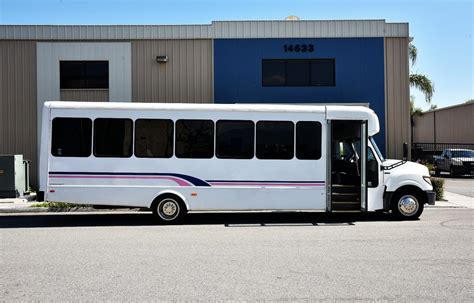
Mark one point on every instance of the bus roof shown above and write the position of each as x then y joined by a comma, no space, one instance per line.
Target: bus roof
333,112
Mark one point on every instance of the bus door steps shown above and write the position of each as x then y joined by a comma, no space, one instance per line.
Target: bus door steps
345,197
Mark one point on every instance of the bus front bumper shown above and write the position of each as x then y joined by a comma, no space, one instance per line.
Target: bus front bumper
431,197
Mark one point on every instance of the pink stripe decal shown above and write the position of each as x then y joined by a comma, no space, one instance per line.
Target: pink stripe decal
266,184
179,181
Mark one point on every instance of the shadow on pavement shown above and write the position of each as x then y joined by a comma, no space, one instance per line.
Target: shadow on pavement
226,219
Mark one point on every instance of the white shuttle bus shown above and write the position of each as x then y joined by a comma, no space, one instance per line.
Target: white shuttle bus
179,158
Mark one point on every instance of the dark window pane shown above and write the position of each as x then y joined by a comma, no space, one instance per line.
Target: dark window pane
323,72
71,137
308,140
298,73
275,140
234,139
153,138
113,137
84,74
194,139
274,73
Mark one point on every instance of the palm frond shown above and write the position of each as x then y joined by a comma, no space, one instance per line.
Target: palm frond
424,84
412,53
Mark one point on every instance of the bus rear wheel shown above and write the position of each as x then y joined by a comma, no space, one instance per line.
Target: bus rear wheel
407,205
168,209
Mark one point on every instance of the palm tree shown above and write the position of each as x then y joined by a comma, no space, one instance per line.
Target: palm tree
420,81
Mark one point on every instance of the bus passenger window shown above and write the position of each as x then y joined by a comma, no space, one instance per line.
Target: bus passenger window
308,140
275,140
153,138
234,139
113,138
71,137
194,139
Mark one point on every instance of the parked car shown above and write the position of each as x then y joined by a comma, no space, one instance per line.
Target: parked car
456,161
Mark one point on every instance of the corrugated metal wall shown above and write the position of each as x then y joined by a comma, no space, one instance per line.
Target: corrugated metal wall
186,77
217,30
94,95
423,128
397,96
450,125
18,101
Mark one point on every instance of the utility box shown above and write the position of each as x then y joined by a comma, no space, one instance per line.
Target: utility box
13,176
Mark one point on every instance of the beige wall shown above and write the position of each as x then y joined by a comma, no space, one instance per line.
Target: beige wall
84,95
397,96
423,128
18,101
450,125
185,78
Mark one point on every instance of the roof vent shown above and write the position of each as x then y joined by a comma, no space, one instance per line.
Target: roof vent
292,18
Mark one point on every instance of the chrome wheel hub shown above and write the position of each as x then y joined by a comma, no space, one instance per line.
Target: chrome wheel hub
408,205
168,209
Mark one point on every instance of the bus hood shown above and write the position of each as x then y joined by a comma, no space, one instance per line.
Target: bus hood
408,167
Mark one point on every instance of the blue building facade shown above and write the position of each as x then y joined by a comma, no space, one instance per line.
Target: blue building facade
358,66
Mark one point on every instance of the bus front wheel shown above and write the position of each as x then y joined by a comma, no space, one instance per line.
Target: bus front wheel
168,209
407,205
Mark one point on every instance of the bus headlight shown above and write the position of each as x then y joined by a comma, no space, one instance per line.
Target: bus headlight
427,179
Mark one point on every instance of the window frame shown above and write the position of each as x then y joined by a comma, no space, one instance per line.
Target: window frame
310,60
293,141
94,136
320,140
91,137
213,138
84,62
254,136
135,139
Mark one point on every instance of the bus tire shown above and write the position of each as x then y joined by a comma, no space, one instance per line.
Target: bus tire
407,203
168,209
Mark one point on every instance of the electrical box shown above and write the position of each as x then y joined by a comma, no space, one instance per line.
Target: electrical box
13,176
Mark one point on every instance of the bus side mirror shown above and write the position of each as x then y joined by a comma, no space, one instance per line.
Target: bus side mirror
405,151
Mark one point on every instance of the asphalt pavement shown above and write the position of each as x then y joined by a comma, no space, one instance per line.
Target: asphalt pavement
269,256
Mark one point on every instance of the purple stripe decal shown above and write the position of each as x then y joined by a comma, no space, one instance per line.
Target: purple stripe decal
180,182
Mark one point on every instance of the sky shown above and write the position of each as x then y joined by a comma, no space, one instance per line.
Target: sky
441,30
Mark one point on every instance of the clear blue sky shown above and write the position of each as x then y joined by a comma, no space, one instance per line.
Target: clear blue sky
442,30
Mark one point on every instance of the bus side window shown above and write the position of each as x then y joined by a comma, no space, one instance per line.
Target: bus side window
308,140
153,138
194,139
235,139
113,137
71,137
275,140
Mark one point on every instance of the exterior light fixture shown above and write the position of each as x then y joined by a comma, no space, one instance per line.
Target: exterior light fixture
161,59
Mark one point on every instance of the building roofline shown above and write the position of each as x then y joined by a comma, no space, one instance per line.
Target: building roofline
447,107
216,30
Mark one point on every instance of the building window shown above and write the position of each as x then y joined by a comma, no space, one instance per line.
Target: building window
71,137
308,140
113,138
84,74
153,138
234,139
299,72
194,139
275,140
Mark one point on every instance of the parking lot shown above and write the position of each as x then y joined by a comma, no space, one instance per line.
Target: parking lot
270,256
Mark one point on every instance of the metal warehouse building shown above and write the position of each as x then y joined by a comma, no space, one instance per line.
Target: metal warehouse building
347,61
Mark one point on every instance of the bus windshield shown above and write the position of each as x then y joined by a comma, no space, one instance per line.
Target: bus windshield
377,150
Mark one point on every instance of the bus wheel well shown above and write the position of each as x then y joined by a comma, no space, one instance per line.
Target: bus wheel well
168,195
409,189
